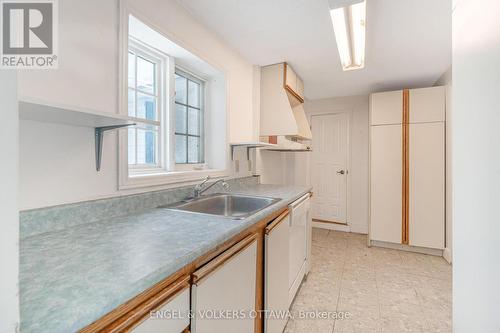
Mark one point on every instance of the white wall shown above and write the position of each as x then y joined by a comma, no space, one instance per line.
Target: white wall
446,80
476,163
57,162
9,219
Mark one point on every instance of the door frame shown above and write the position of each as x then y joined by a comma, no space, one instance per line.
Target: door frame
348,115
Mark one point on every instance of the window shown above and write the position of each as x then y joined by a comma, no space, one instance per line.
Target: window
178,102
144,103
188,119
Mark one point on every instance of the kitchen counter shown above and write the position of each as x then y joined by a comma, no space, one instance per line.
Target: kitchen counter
71,277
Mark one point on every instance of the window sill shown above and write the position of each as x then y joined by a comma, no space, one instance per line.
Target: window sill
177,178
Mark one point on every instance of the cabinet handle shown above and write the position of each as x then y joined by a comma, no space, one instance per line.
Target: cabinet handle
341,172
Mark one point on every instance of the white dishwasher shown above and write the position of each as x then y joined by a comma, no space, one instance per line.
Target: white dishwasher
299,245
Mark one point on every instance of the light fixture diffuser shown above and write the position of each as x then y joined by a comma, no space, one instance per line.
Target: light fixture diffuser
349,25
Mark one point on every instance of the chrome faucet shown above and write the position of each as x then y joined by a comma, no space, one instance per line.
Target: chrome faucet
198,189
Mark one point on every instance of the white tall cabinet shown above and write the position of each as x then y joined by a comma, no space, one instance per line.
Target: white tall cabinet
407,167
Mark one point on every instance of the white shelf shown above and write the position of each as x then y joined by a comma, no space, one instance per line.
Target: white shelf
253,144
288,150
37,110
248,145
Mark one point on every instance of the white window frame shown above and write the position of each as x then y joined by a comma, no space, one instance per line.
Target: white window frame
193,77
161,60
169,176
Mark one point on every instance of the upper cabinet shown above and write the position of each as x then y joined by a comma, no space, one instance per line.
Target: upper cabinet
281,99
424,105
386,108
427,105
293,83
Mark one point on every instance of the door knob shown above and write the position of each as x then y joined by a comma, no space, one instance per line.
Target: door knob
341,172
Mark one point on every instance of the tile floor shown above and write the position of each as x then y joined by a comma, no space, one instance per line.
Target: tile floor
386,291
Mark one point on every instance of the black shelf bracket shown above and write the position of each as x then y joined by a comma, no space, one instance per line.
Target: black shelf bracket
99,138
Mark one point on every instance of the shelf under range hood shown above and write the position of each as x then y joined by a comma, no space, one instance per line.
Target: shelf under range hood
286,144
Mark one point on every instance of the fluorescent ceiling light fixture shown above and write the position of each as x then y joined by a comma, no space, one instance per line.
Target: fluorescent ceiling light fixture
349,25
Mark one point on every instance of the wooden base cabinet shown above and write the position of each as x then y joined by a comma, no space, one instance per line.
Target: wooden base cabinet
276,266
226,284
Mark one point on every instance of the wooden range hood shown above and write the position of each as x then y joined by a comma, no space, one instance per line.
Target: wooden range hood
281,103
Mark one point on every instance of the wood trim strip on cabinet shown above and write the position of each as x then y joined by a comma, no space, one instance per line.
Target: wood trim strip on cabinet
405,170
294,94
130,314
288,88
276,222
215,264
122,312
259,283
142,312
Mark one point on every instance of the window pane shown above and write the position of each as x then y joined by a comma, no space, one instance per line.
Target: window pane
180,89
131,146
193,149
180,149
193,94
146,146
131,103
131,70
150,147
180,119
146,106
146,75
194,121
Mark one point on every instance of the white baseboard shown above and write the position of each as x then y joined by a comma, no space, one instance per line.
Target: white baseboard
403,247
447,255
331,226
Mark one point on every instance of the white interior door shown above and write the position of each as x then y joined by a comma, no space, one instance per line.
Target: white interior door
329,167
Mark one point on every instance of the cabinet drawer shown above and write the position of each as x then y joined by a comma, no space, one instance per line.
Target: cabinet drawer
171,317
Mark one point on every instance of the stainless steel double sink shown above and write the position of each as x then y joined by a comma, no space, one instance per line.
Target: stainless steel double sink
233,206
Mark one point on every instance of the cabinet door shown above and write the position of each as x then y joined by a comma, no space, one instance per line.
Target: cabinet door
427,185
276,273
427,105
300,87
178,307
225,284
298,244
386,183
290,78
386,108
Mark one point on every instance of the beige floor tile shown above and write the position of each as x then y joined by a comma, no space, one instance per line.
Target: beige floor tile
309,326
319,232
383,290
401,318
359,318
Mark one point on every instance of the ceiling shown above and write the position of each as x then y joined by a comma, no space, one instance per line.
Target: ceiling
408,41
